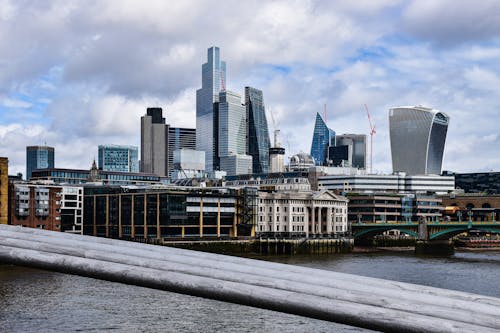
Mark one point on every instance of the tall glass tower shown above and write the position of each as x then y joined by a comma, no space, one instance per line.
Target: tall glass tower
38,157
323,137
213,78
232,124
258,133
418,135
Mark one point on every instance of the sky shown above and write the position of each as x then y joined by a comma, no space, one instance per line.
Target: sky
76,74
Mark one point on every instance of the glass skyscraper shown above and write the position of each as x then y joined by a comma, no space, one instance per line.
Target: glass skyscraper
213,78
258,133
418,135
38,157
232,124
323,137
118,158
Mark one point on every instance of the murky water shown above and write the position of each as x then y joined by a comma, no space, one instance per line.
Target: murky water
39,301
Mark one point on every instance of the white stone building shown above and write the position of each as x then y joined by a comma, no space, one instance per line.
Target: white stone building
301,213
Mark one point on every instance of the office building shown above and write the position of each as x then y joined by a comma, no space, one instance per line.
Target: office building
188,163
77,176
349,150
301,162
154,143
232,135
384,208
323,137
418,136
258,133
396,183
213,81
179,139
4,190
118,158
236,164
38,157
138,213
159,141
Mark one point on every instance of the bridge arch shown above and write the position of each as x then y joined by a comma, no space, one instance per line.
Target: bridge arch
379,231
448,233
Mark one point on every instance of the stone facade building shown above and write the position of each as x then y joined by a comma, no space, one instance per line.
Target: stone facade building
301,214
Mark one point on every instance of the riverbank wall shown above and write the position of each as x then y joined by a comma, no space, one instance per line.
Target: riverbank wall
269,246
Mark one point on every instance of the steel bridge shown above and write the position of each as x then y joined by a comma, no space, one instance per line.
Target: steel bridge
343,298
433,230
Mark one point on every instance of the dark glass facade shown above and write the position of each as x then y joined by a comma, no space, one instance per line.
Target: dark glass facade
258,133
38,157
116,213
323,137
478,182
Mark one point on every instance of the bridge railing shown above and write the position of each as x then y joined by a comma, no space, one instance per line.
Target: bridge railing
344,298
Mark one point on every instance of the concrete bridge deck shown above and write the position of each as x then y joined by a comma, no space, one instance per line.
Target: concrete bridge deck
343,298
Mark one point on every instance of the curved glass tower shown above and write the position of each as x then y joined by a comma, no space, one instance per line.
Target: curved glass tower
418,135
258,132
323,137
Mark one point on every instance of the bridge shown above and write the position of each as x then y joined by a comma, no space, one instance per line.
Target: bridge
337,297
432,230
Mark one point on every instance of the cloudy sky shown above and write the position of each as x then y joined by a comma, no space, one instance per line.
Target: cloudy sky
76,74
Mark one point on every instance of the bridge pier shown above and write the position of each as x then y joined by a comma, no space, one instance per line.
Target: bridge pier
437,247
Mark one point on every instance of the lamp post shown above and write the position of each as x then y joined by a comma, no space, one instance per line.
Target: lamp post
359,218
459,214
469,213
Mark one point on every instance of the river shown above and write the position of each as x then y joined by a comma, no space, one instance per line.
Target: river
38,301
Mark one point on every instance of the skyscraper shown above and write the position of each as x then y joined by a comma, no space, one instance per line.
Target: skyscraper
213,80
257,131
232,134
418,135
323,137
38,157
356,149
118,158
154,144
159,141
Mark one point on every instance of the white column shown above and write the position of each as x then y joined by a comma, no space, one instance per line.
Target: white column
329,220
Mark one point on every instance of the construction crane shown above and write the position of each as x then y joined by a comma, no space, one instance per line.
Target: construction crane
222,83
275,130
372,131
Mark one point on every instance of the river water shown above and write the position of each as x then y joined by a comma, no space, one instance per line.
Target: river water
39,301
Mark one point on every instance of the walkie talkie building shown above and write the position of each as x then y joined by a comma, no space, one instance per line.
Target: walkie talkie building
418,135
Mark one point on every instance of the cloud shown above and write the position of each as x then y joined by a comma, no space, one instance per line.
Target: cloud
452,22
81,73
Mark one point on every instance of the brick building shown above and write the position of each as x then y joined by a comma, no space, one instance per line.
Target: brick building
4,190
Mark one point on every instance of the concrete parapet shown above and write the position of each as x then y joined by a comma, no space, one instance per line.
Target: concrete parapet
344,298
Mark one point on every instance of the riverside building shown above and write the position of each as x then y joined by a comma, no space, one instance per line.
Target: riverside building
301,214
43,206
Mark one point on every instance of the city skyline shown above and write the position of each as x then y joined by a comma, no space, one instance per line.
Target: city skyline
92,82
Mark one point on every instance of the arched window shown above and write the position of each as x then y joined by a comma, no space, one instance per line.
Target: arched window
486,205
469,206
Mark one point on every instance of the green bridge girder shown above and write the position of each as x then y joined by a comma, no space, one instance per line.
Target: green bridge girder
443,230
